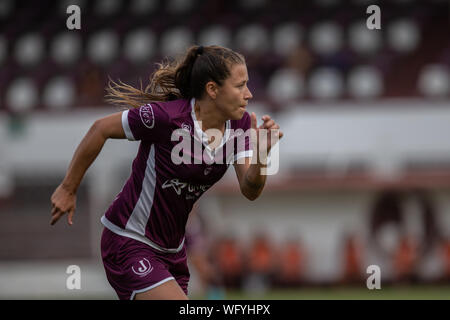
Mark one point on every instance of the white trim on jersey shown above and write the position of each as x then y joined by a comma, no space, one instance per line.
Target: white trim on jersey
204,138
243,154
150,287
126,126
141,212
126,233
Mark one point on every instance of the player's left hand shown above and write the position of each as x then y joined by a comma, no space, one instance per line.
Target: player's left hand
273,131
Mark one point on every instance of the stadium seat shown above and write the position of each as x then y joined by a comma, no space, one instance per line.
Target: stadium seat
215,35
174,41
143,7
252,4
66,48
64,4
286,38
6,8
29,49
325,3
362,40
326,83
3,49
286,85
434,81
326,38
252,39
403,35
102,47
22,95
59,93
107,7
139,45
179,6
365,82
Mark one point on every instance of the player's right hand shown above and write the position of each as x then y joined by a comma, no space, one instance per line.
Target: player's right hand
63,201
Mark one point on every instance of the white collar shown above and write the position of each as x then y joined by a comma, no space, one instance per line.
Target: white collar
202,135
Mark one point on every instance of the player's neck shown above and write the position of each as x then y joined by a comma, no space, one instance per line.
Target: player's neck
208,117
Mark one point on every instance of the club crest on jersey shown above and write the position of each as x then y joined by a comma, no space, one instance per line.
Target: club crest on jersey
143,267
147,116
186,126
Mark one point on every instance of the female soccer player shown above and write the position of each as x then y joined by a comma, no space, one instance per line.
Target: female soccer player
142,244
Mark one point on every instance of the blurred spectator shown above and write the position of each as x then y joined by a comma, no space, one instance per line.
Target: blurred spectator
299,59
261,256
352,256
291,264
430,230
386,210
229,258
261,265
445,253
91,84
198,248
405,259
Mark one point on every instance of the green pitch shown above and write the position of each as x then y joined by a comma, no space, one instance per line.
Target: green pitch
347,293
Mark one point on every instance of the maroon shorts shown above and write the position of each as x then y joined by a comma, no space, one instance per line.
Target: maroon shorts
133,267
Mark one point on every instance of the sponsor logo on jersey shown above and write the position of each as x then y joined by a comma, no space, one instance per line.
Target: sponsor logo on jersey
147,116
192,190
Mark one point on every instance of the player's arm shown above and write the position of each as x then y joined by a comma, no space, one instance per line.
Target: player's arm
251,181
64,198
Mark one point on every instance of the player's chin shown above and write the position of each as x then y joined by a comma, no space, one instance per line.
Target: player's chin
239,113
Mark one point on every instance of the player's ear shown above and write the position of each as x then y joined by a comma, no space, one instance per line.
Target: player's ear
211,89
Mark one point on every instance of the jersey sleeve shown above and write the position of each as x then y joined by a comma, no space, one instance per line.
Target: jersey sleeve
148,122
245,149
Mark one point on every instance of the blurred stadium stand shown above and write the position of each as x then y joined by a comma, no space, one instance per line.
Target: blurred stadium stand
341,58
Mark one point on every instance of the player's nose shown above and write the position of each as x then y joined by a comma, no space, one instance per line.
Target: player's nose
248,94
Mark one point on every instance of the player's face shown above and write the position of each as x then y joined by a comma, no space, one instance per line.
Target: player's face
232,97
